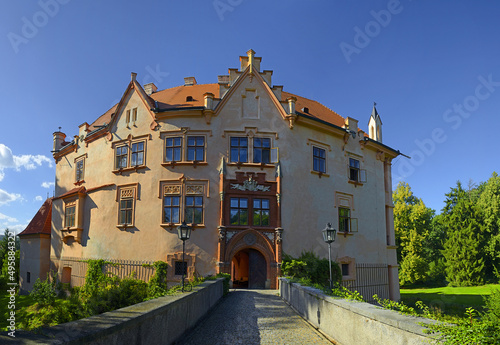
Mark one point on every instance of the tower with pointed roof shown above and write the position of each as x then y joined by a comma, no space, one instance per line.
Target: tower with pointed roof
375,125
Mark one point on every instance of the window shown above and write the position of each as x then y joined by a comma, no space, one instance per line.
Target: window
137,157
239,149
171,209
319,159
180,268
182,202
355,173
69,215
126,206
261,212
127,117
134,115
344,216
196,148
131,155
173,149
346,223
261,150
345,269
194,209
79,169
28,277
121,157
239,211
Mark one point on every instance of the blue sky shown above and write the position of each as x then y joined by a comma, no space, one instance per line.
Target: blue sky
432,67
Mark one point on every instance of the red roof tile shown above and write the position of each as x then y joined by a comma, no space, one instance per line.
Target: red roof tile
176,96
41,222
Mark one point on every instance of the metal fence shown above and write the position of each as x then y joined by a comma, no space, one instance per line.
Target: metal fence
120,268
371,279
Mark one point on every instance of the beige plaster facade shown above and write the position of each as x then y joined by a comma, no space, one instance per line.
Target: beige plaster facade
258,170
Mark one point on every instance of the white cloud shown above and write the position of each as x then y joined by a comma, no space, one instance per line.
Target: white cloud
6,197
48,184
28,162
17,228
6,157
7,218
38,198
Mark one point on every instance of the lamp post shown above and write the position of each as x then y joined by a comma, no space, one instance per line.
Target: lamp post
329,234
184,232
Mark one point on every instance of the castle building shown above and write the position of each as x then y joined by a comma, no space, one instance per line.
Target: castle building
256,171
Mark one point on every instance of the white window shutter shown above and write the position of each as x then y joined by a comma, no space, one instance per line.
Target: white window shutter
275,157
354,225
362,175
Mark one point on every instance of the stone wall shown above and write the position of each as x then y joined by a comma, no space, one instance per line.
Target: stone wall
351,322
159,321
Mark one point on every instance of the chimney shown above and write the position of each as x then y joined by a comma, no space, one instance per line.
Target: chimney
150,88
58,139
209,99
291,104
223,79
351,124
188,81
133,76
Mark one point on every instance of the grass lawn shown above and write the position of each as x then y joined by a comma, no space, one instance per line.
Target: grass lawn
449,300
21,302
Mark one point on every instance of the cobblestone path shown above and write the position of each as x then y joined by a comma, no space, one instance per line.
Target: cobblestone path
253,317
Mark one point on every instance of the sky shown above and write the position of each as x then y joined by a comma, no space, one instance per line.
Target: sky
432,67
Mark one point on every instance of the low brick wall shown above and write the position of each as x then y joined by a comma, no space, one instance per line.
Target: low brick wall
351,322
159,321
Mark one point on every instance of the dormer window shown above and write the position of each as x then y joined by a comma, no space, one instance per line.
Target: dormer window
305,110
189,98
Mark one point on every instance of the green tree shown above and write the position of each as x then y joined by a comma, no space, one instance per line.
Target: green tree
412,224
462,251
489,204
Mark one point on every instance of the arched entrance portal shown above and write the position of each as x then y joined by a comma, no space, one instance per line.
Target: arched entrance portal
249,269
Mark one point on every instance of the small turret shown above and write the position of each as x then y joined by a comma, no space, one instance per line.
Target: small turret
375,125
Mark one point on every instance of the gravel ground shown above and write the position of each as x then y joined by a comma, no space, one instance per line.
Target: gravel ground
253,317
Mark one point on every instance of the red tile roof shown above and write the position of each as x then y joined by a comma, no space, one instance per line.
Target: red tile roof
176,98
316,109
41,222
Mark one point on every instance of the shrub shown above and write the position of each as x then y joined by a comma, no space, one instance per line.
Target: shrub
157,286
44,292
227,279
310,268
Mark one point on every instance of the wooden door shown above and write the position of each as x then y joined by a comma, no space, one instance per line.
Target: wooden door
257,270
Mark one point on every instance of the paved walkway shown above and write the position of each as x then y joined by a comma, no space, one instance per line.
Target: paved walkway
253,317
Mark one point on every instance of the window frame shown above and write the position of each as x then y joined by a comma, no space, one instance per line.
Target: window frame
260,210
80,171
239,208
316,157
196,147
128,192
347,221
262,148
128,145
356,168
183,190
70,218
184,134
239,147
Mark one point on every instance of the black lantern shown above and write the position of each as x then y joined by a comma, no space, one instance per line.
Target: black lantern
184,232
329,234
